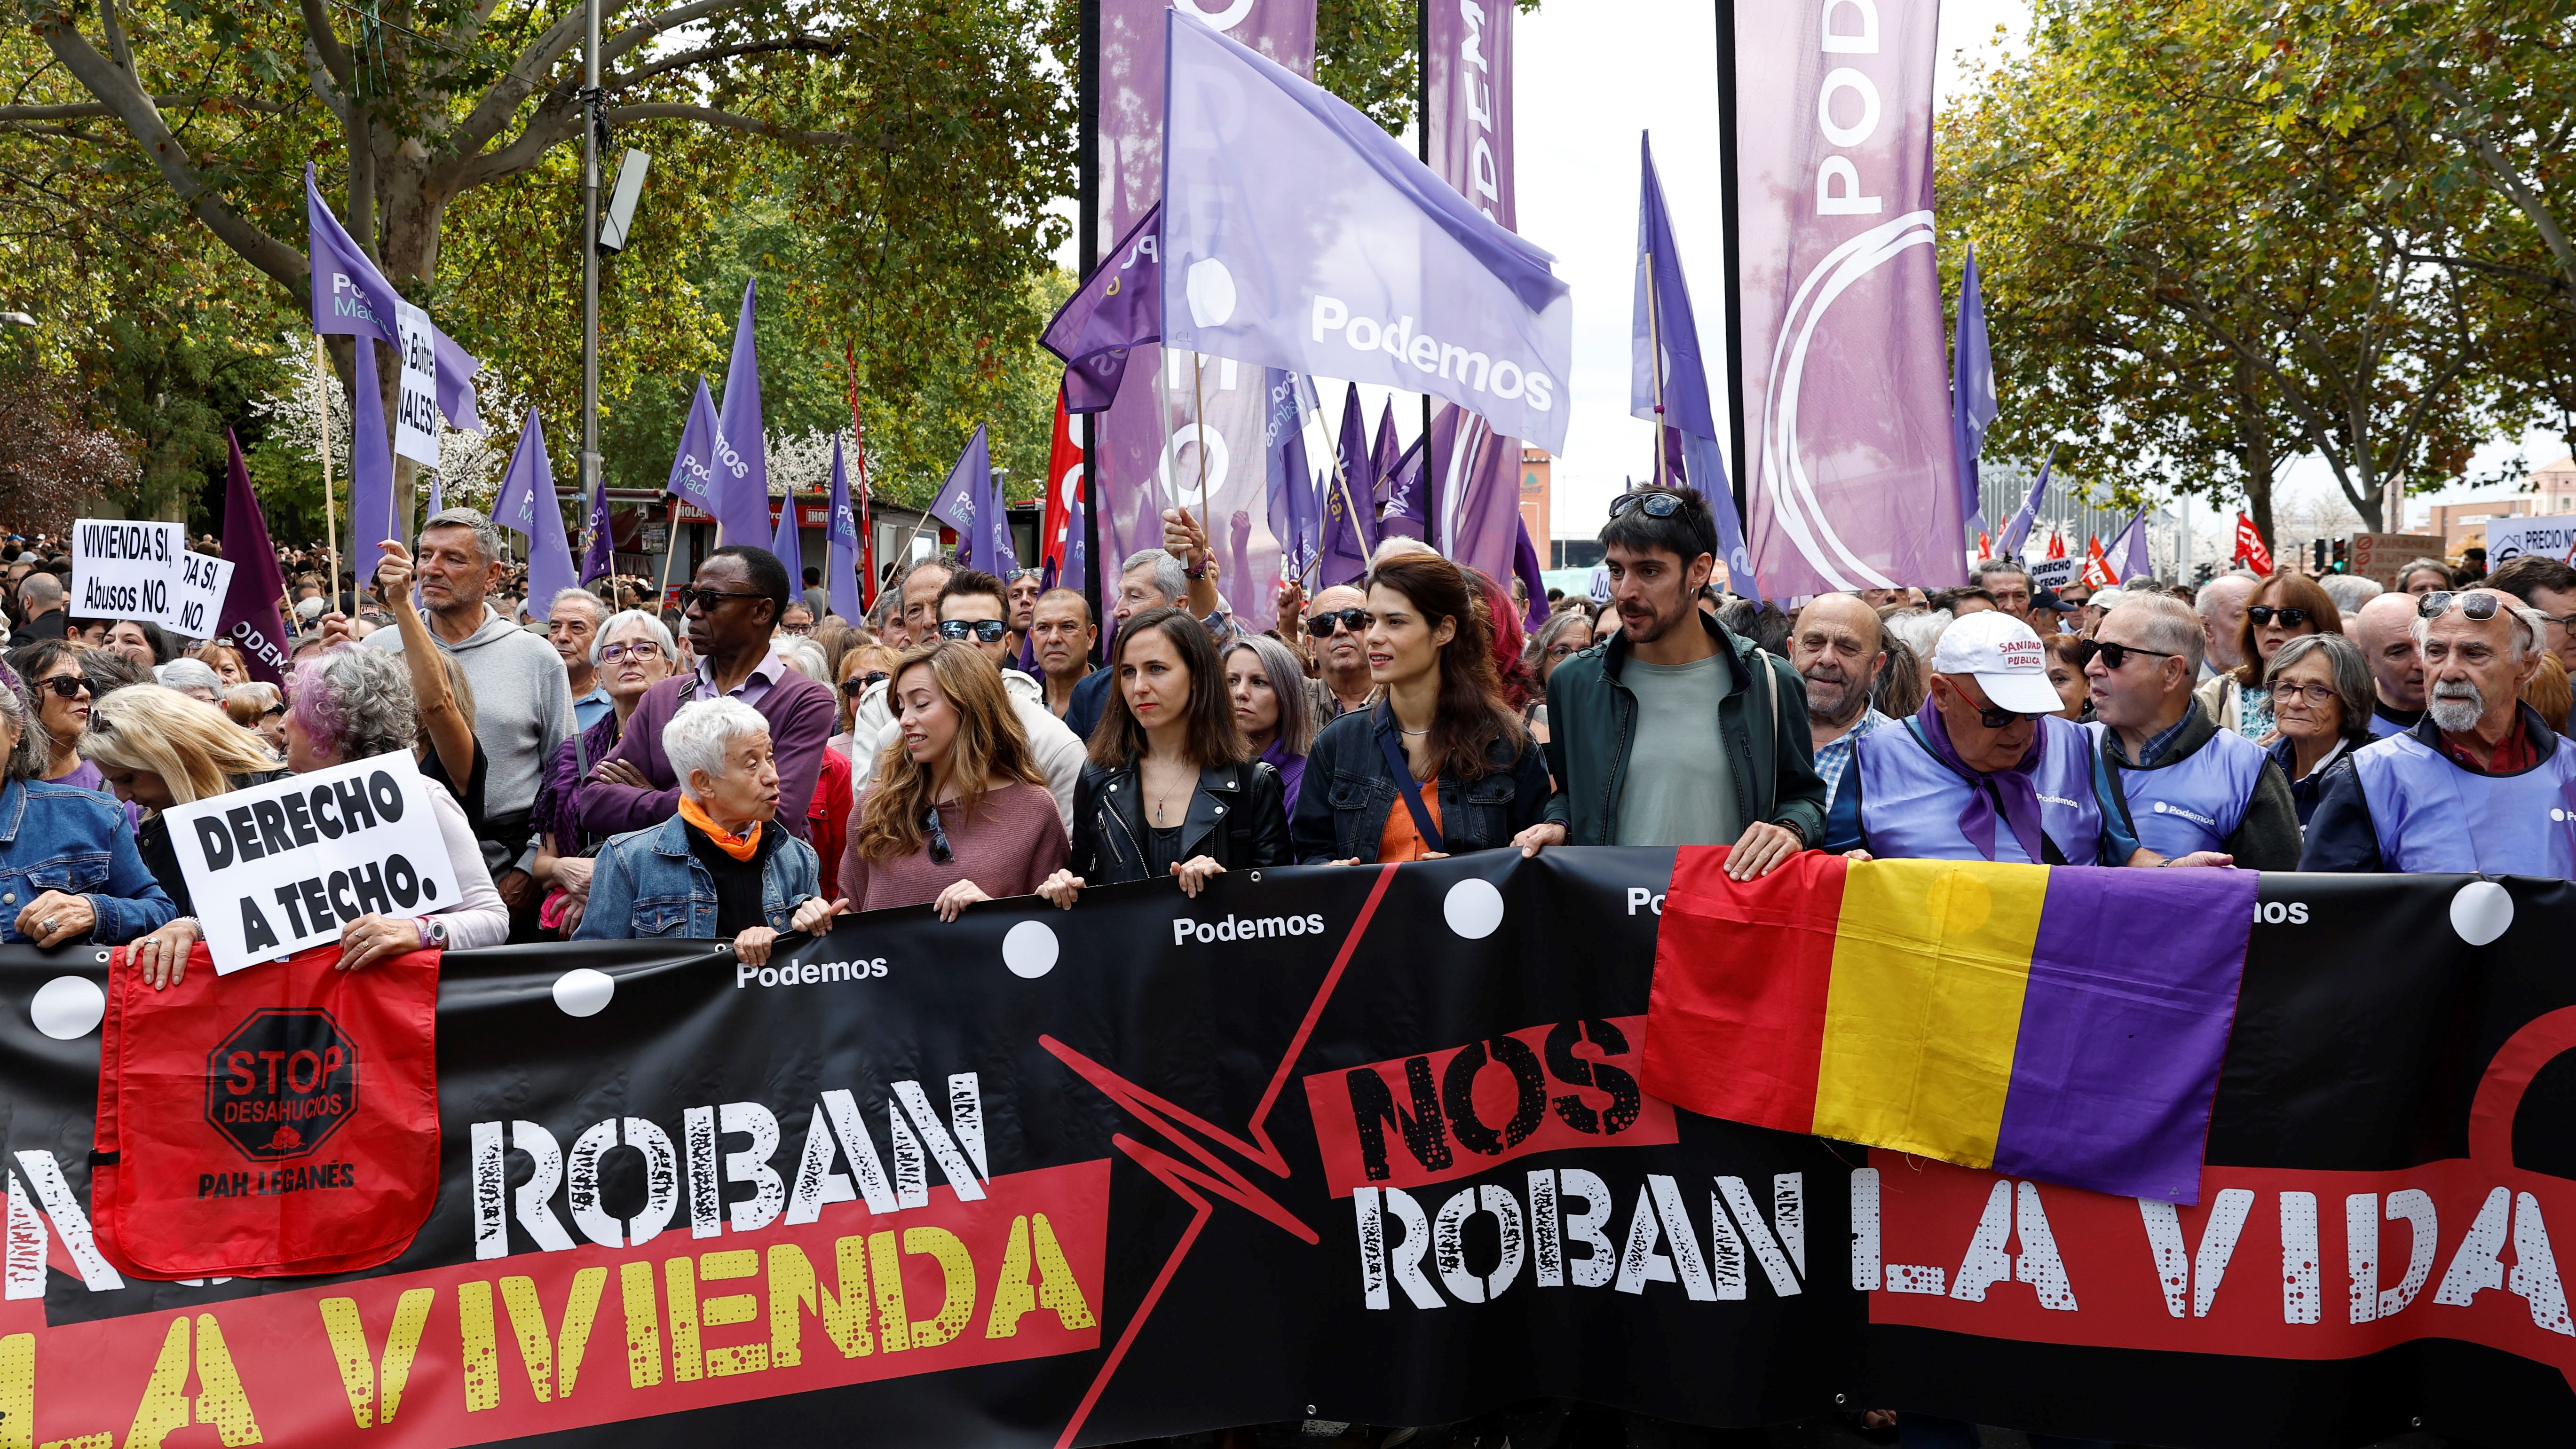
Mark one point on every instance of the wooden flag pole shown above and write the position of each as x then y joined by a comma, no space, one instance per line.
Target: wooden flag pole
670,551
330,514
1655,351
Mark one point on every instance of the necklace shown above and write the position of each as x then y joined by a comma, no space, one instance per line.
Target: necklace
1426,729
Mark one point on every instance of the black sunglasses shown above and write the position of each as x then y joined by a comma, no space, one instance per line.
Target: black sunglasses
857,684
1333,621
989,631
2477,604
2115,655
2290,618
73,686
710,598
940,854
1657,504
1995,719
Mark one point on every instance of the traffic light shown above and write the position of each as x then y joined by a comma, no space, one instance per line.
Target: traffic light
2317,552
2343,555
2204,573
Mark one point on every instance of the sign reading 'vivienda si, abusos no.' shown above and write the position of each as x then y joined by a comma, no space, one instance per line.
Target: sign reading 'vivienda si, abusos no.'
281,867
128,570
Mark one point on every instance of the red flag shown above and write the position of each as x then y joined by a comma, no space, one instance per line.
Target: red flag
1985,550
2249,546
2097,566
1064,484
2057,545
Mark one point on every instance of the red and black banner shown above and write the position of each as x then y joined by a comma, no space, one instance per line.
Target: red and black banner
1337,1144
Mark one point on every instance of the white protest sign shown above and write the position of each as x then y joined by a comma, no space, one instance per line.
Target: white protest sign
2509,538
2054,573
278,868
416,400
124,570
197,599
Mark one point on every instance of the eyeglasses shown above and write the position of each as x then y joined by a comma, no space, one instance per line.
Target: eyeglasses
799,630
710,599
859,684
67,686
1996,719
2317,695
989,631
2290,618
615,652
1332,621
2112,655
940,853
2477,604
1656,503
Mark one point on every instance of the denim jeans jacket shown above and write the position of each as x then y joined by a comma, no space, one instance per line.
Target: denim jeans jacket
63,838
1343,804
647,884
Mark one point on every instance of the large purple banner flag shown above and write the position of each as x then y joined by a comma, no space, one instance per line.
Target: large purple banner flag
250,621
1147,444
371,466
1473,490
527,505
1368,267
1851,480
350,295
1116,310
1668,381
741,448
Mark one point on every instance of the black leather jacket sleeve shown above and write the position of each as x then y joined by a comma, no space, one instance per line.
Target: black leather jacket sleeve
1258,834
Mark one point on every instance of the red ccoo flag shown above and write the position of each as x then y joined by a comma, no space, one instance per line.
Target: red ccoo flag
1064,485
2097,566
1985,550
2057,545
2249,546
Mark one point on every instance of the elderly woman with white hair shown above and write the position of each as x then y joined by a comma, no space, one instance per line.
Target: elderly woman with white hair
721,868
356,704
194,678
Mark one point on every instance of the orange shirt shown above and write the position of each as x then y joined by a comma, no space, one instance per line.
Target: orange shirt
1400,840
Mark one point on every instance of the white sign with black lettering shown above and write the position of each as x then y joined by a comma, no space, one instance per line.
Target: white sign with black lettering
197,597
2053,573
416,399
278,868
123,569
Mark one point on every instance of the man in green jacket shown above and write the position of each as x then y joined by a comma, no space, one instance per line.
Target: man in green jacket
1676,731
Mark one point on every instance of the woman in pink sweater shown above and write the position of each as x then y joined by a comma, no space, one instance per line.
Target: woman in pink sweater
957,812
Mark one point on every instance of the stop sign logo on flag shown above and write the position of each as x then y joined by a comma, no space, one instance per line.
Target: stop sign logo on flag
282,1083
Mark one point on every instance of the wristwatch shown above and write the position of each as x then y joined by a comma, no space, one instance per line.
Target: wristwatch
433,932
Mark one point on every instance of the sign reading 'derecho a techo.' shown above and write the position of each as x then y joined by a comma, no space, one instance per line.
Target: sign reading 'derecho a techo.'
122,569
281,867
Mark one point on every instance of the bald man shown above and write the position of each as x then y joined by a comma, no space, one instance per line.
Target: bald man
2384,628
1838,648
1334,622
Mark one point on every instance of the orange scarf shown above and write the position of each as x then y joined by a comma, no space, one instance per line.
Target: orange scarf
740,847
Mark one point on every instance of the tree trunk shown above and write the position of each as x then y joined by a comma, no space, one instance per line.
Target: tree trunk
2254,449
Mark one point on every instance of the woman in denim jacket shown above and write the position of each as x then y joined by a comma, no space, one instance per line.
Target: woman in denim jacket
1440,717
68,864
719,869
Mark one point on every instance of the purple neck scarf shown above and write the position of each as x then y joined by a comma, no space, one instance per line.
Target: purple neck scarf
2012,787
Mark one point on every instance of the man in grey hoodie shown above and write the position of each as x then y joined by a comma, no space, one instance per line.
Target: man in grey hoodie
522,698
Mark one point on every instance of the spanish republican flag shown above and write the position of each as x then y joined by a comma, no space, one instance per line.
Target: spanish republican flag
2064,1023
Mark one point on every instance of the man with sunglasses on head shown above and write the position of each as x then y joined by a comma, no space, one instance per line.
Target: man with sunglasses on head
1678,731
732,607
974,607
2481,785
1986,770
2179,790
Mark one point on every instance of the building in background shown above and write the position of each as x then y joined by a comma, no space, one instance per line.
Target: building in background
2464,525
1535,472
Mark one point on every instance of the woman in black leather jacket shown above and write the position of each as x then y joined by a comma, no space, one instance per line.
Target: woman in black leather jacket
1466,758
1170,789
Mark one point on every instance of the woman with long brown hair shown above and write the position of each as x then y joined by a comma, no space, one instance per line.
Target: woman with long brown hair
1440,765
1171,789
2281,608
957,811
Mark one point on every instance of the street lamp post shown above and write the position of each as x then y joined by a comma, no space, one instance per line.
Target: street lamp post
594,120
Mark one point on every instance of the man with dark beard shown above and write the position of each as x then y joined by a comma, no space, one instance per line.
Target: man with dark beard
1838,649
2480,784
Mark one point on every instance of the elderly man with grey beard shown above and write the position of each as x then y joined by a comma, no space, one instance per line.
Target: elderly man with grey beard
1838,648
2481,784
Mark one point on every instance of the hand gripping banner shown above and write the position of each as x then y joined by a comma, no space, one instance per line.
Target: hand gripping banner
1362,1144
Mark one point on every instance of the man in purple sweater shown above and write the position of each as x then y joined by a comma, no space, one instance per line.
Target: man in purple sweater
739,595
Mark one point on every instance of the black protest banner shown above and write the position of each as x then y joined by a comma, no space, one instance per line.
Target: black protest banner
1159,1164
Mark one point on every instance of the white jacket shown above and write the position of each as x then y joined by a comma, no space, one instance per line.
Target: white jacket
1057,750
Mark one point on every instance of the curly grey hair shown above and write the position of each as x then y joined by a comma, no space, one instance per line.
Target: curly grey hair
487,535
658,631
34,751
356,703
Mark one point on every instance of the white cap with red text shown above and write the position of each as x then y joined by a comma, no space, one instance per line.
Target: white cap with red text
2005,658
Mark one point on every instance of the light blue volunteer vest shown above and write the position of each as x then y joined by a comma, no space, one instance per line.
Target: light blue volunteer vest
2193,803
1910,801
2431,815
2381,726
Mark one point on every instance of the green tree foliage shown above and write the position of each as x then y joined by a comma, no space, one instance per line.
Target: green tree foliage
2196,280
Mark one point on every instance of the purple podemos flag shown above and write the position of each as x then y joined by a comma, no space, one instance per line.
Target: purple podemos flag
250,621
527,506
1677,375
963,498
741,449
1118,308
841,556
371,467
1972,393
693,467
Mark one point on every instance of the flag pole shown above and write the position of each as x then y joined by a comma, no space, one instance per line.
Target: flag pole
1655,358
322,411
670,551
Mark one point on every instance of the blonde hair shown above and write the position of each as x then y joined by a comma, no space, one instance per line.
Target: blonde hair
156,729
989,750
